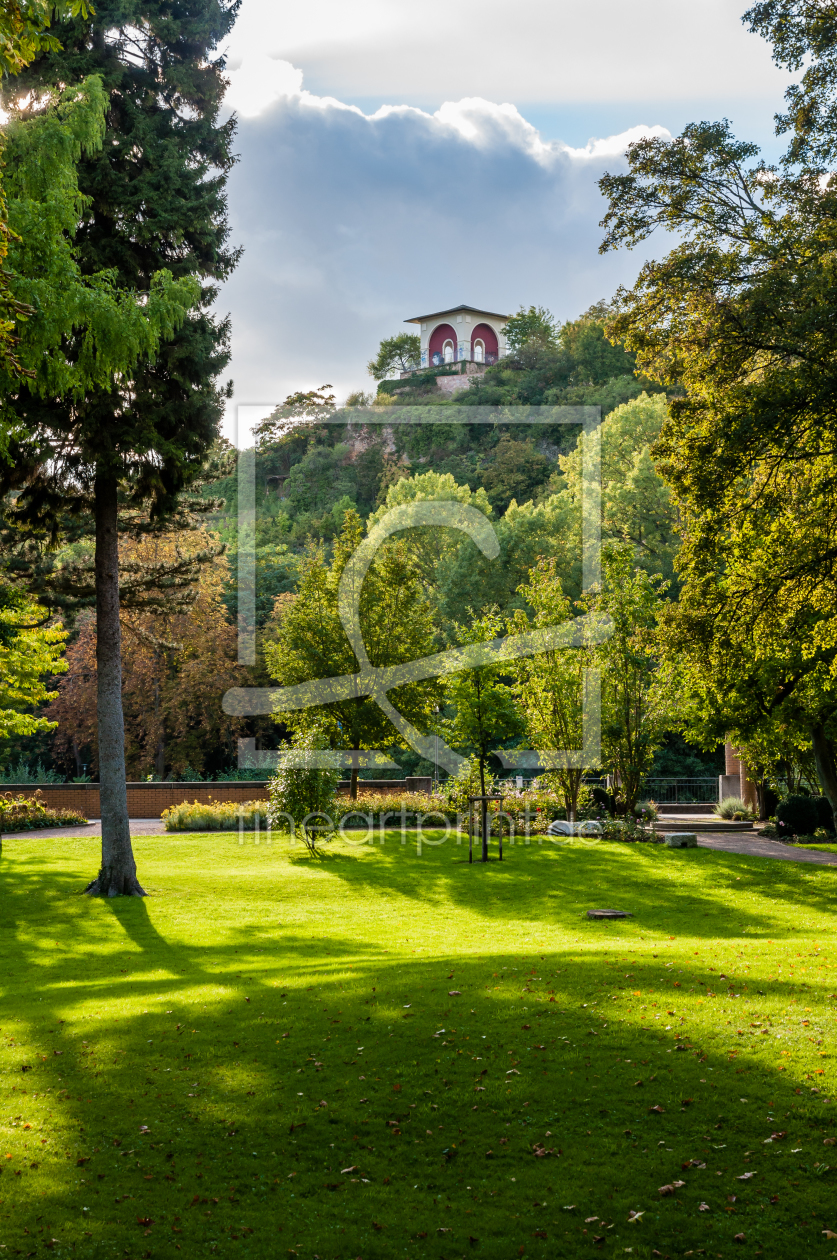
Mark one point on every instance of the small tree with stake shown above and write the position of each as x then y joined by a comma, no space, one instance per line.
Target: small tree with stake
302,793
484,713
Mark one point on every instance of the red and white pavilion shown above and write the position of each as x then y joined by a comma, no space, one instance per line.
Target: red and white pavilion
461,334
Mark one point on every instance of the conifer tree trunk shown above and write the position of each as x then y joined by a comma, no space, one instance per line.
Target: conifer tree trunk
118,874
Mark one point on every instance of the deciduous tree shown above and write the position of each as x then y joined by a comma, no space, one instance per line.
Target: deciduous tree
395,354
309,641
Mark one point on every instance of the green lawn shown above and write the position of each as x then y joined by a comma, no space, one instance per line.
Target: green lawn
375,1054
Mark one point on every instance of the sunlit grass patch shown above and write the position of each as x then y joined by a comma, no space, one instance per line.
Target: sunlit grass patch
373,1053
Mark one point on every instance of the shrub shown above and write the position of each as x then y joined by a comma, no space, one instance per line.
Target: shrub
215,816
802,815
25,813
301,794
734,809
825,814
466,782
24,773
604,800
646,812
625,830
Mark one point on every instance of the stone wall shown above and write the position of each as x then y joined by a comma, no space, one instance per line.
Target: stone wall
148,800
145,800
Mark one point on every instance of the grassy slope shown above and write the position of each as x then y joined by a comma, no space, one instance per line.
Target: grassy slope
227,1014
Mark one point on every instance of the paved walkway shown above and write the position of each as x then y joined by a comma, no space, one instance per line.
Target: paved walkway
139,827
755,846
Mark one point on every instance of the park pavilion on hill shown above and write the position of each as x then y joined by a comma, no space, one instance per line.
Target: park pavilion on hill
462,334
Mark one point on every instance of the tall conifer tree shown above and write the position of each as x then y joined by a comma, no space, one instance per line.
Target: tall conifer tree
157,202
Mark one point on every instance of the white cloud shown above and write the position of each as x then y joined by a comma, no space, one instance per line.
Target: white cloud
536,50
352,223
259,81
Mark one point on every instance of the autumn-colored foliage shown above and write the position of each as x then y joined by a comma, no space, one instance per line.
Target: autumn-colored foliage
176,668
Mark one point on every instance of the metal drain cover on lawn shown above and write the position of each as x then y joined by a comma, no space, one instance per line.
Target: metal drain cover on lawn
609,914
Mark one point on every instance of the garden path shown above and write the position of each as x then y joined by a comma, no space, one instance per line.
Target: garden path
756,846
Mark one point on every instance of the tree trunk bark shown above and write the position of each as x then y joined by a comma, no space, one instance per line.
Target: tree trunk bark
118,874
826,766
160,754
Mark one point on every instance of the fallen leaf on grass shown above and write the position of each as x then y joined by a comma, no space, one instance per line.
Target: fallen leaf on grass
745,1176
659,1110
454,993
144,1220
740,1238
665,1190
829,1233
352,1168
635,1216
703,1207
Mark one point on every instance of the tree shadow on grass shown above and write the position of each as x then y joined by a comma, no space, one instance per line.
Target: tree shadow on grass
451,1097
663,890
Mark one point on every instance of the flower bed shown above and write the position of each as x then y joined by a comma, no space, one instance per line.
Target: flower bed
26,813
215,816
525,812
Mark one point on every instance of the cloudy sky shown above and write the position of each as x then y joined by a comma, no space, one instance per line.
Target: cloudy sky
396,159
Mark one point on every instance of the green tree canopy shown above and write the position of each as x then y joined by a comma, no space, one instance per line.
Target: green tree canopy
30,654
742,311
480,713
310,643
638,507
640,699
533,327
395,354
153,203
550,686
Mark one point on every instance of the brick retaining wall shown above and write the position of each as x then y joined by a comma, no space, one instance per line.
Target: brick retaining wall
148,800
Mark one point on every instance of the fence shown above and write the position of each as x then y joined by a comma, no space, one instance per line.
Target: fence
671,791
664,790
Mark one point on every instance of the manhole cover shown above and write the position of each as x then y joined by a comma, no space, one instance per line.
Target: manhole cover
609,914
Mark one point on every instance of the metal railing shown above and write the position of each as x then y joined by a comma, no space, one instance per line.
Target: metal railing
663,790
674,791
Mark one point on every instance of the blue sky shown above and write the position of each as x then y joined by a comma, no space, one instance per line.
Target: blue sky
392,164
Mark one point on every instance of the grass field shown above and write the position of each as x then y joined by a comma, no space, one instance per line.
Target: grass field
374,1054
